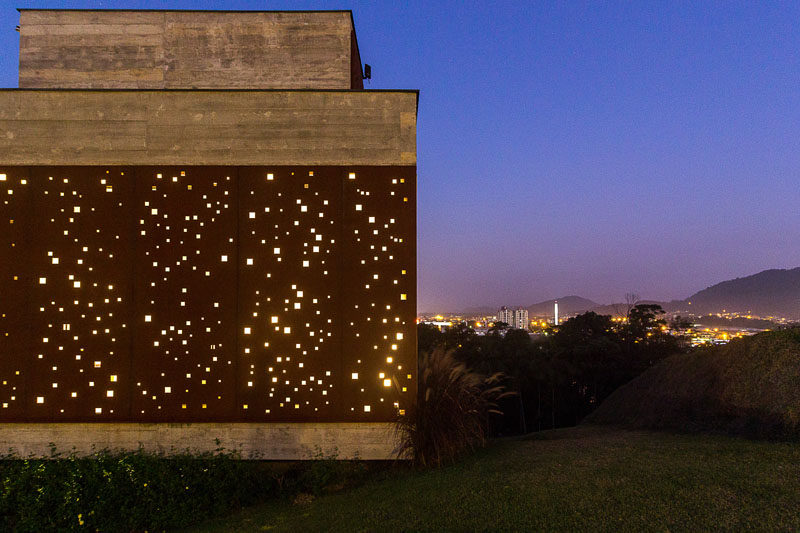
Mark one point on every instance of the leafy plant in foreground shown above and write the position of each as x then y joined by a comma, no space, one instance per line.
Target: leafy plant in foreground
451,413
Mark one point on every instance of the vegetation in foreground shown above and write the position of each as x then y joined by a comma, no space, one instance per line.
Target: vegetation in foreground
139,491
585,478
750,386
451,413
560,378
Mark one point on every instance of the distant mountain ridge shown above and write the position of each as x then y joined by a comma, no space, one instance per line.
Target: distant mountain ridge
773,292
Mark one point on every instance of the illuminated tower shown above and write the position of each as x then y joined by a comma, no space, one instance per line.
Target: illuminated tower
555,313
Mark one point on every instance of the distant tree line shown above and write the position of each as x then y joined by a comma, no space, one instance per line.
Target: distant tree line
560,377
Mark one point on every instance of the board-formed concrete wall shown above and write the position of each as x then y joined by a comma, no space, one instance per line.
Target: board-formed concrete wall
108,127
277,442
146,88
188,49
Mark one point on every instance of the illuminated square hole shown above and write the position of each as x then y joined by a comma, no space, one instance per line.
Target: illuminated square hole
274,319
366,408
109,394
399,336
98,410
167,390
351,175
403,297
76,284
354,375
247,330
40,399
252,214
249,260
42,281
276,251
387,382
148,318
358,207
224,259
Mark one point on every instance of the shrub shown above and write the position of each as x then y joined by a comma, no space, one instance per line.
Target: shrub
125,491
451,413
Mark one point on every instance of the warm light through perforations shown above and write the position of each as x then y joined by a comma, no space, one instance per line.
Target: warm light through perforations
203,318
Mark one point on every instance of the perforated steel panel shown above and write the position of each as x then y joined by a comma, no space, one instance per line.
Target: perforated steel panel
15,283
184,353
207,293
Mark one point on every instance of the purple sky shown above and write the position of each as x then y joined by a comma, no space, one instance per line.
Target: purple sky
581,148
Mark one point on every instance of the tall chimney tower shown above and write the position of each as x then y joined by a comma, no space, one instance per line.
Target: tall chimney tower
555,312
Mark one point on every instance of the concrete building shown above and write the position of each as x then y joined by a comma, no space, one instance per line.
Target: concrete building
208,232
516,318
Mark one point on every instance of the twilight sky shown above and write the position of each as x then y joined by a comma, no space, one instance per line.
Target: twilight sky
590,148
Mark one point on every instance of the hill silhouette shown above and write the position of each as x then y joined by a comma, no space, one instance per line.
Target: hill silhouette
750,386
768,293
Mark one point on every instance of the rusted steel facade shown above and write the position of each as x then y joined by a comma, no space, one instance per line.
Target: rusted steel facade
207,293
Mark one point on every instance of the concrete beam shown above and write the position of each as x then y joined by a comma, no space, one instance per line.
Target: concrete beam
124,127
279,442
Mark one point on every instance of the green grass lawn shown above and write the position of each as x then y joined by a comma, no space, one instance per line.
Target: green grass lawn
587,478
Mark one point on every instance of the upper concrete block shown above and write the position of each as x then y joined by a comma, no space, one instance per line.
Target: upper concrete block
122,127
188,50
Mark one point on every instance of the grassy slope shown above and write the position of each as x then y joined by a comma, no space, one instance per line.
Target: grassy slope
750,386
588,478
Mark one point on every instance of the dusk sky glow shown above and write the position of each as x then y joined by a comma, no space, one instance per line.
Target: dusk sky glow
579,148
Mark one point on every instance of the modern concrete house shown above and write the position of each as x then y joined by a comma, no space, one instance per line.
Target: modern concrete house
208,232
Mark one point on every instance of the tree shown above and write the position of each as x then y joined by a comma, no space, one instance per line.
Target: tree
458,335
428,337
644,319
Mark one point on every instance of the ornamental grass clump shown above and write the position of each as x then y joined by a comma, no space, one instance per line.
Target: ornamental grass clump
452,411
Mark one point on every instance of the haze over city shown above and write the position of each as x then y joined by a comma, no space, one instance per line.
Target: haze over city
579,149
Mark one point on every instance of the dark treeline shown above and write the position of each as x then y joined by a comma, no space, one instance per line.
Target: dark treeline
559,378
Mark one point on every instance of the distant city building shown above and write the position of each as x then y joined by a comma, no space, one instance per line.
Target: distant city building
516,318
